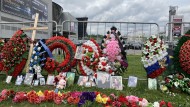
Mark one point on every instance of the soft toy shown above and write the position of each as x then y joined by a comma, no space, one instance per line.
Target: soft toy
60,81
61,84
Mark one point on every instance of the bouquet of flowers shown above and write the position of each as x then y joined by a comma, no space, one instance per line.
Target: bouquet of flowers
155,56
176,83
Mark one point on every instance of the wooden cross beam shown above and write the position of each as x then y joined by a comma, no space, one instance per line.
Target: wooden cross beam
33,37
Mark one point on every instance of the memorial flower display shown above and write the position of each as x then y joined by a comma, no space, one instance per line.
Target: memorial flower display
155,57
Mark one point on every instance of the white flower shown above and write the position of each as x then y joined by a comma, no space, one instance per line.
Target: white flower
157,45
159,40
39,48
31,60
145,51
176,84
34,66
156,104
30,68
148,43
34,52
37,44
35,57
152,49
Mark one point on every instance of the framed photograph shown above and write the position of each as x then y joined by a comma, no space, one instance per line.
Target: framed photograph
116,82
8,79
152,84
92,80
35,82
70,78
28,79
88,84
82,80
103,80
132,81
50,80
73,70
19,80
79,52
42,81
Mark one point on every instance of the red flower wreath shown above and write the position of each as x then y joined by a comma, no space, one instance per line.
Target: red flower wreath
66,45
184,55
15,53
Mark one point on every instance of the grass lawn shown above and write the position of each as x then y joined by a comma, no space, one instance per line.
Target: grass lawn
135,69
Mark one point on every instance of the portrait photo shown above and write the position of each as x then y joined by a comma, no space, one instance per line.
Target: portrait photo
19,80
152,84
50,80
132,81
82,80
35,82
42,81
8,79
28,78
116,82
79,52
70,78
103,80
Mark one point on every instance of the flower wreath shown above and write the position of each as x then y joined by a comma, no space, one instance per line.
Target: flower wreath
66,45
15,53
181,56
118,54
90,58
155,57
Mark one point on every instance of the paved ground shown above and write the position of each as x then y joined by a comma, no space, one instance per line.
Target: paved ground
134,52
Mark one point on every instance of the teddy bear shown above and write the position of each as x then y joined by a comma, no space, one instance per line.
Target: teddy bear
60,81
61,84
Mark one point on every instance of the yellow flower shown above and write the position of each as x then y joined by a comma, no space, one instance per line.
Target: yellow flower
59,93
40,93
101,100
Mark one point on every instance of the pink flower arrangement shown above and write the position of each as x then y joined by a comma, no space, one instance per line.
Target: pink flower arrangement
132,99
143,103
112,50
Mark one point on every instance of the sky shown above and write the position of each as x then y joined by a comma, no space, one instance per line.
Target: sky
126,10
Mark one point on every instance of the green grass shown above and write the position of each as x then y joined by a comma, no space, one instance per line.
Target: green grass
135,69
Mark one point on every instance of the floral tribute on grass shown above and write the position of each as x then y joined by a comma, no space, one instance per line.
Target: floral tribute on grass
38,59
79,98
155,57
69,49
15,54
176,83
114,50
90,58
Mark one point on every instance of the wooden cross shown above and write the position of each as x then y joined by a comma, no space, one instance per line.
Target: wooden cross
33,37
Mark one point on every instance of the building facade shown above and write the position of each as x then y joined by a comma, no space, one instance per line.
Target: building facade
22,11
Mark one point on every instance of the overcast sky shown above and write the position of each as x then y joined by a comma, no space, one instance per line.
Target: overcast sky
126,10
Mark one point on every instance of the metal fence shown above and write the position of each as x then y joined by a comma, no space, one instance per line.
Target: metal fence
134,33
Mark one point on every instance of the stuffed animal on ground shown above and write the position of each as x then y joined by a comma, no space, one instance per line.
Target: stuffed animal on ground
60,81
61,84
